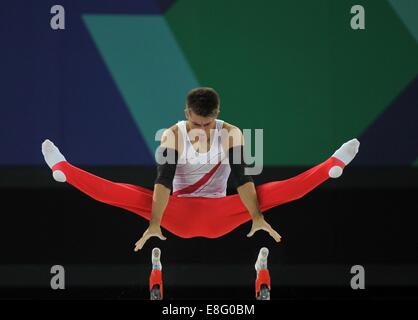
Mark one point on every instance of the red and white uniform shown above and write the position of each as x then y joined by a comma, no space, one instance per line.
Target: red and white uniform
201,174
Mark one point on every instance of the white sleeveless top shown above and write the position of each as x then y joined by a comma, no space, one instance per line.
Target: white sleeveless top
201,174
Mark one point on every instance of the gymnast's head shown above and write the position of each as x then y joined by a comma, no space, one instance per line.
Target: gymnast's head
202,108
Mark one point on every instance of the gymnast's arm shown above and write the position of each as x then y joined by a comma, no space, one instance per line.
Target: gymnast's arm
245,184
166,157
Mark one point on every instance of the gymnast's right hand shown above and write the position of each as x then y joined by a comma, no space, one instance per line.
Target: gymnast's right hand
154,230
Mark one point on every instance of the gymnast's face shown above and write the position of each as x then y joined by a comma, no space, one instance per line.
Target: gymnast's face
202,124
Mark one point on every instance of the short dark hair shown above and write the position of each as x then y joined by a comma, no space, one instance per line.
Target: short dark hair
203,101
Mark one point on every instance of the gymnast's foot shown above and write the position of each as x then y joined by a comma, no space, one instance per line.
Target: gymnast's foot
261,262
346,154
52,156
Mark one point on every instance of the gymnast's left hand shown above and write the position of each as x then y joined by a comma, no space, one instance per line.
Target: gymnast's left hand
260,224
153,230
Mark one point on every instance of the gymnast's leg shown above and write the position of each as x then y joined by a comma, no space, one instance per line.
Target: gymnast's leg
279,192
217,216
126,196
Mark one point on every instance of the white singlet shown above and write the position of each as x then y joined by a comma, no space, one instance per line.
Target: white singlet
201,174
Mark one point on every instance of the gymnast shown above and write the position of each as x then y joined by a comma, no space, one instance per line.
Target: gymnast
194,160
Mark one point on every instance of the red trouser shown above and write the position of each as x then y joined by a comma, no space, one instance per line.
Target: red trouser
189,217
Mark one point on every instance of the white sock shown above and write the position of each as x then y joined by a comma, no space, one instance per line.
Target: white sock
155,259
347,151
261,262
52,156
346,154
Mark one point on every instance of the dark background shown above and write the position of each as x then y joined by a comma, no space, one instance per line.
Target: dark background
345,222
